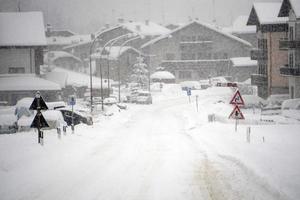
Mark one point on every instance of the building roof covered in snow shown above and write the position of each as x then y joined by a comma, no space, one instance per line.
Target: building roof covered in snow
240,26
162,75
65,77
287,5
211,27
147,28
25,82
52,56
114,52
266,13
68,40
243,62
22,29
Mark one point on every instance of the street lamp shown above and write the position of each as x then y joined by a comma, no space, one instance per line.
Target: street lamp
105,45
119,68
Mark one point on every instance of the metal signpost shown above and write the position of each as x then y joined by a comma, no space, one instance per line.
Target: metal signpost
189,93
237,114
72,102
39,121
197,102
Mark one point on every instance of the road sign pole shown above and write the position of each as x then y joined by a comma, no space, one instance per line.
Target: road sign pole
197,102
72,118
236,123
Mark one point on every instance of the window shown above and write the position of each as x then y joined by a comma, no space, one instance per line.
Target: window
193,38
16,70
185,74
291,59
199,56
170,56
184,56
291,33
225,56
193,56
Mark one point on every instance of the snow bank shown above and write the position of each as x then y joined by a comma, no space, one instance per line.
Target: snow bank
162,75
26,82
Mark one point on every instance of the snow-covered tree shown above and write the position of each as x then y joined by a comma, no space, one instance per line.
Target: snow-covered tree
140,73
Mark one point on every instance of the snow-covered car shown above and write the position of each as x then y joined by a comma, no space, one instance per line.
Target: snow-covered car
144,97
291,108
79,117
193,85
8,123
110,101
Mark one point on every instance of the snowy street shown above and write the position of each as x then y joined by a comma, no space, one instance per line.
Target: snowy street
163,151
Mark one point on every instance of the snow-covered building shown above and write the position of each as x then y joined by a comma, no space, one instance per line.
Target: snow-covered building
147,30
242,68
240,29
270,29
115,58
22,41
63,59
58,39
195,51
291,9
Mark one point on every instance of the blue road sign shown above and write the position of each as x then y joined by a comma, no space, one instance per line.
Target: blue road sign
189,92
72,101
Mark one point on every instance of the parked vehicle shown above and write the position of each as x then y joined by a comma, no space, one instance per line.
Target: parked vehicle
78,117
144,97
8,123
110,101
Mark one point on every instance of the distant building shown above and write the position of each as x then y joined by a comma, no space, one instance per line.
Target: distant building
64,60
115,59
240,29
242,68
147,30
195,51
291,9
58,39
270,29
22,41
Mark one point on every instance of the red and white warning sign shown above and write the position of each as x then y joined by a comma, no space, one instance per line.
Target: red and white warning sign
237,99
236,113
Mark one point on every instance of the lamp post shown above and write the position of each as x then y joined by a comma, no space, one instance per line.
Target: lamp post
119,67
105,45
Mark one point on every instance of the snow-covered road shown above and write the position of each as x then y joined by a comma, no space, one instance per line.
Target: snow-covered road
146,153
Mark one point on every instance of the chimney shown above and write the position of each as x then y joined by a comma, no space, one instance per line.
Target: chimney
92,36
106,25
147,22
48,30
138,27
121,20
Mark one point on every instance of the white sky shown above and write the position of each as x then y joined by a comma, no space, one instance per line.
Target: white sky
89,15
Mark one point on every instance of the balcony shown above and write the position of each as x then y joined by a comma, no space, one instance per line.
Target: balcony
259,79
288,71
285,44
258,54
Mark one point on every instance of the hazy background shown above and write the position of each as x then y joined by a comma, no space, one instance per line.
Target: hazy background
85,16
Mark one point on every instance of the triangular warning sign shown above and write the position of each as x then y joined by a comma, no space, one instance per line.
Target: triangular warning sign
39,121
236,113
237,99
38,103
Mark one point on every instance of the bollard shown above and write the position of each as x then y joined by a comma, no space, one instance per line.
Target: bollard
248,134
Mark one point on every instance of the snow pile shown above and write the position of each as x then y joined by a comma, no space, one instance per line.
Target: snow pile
113,52
194,85
243,62
26,82
162,75
291,108
22,29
